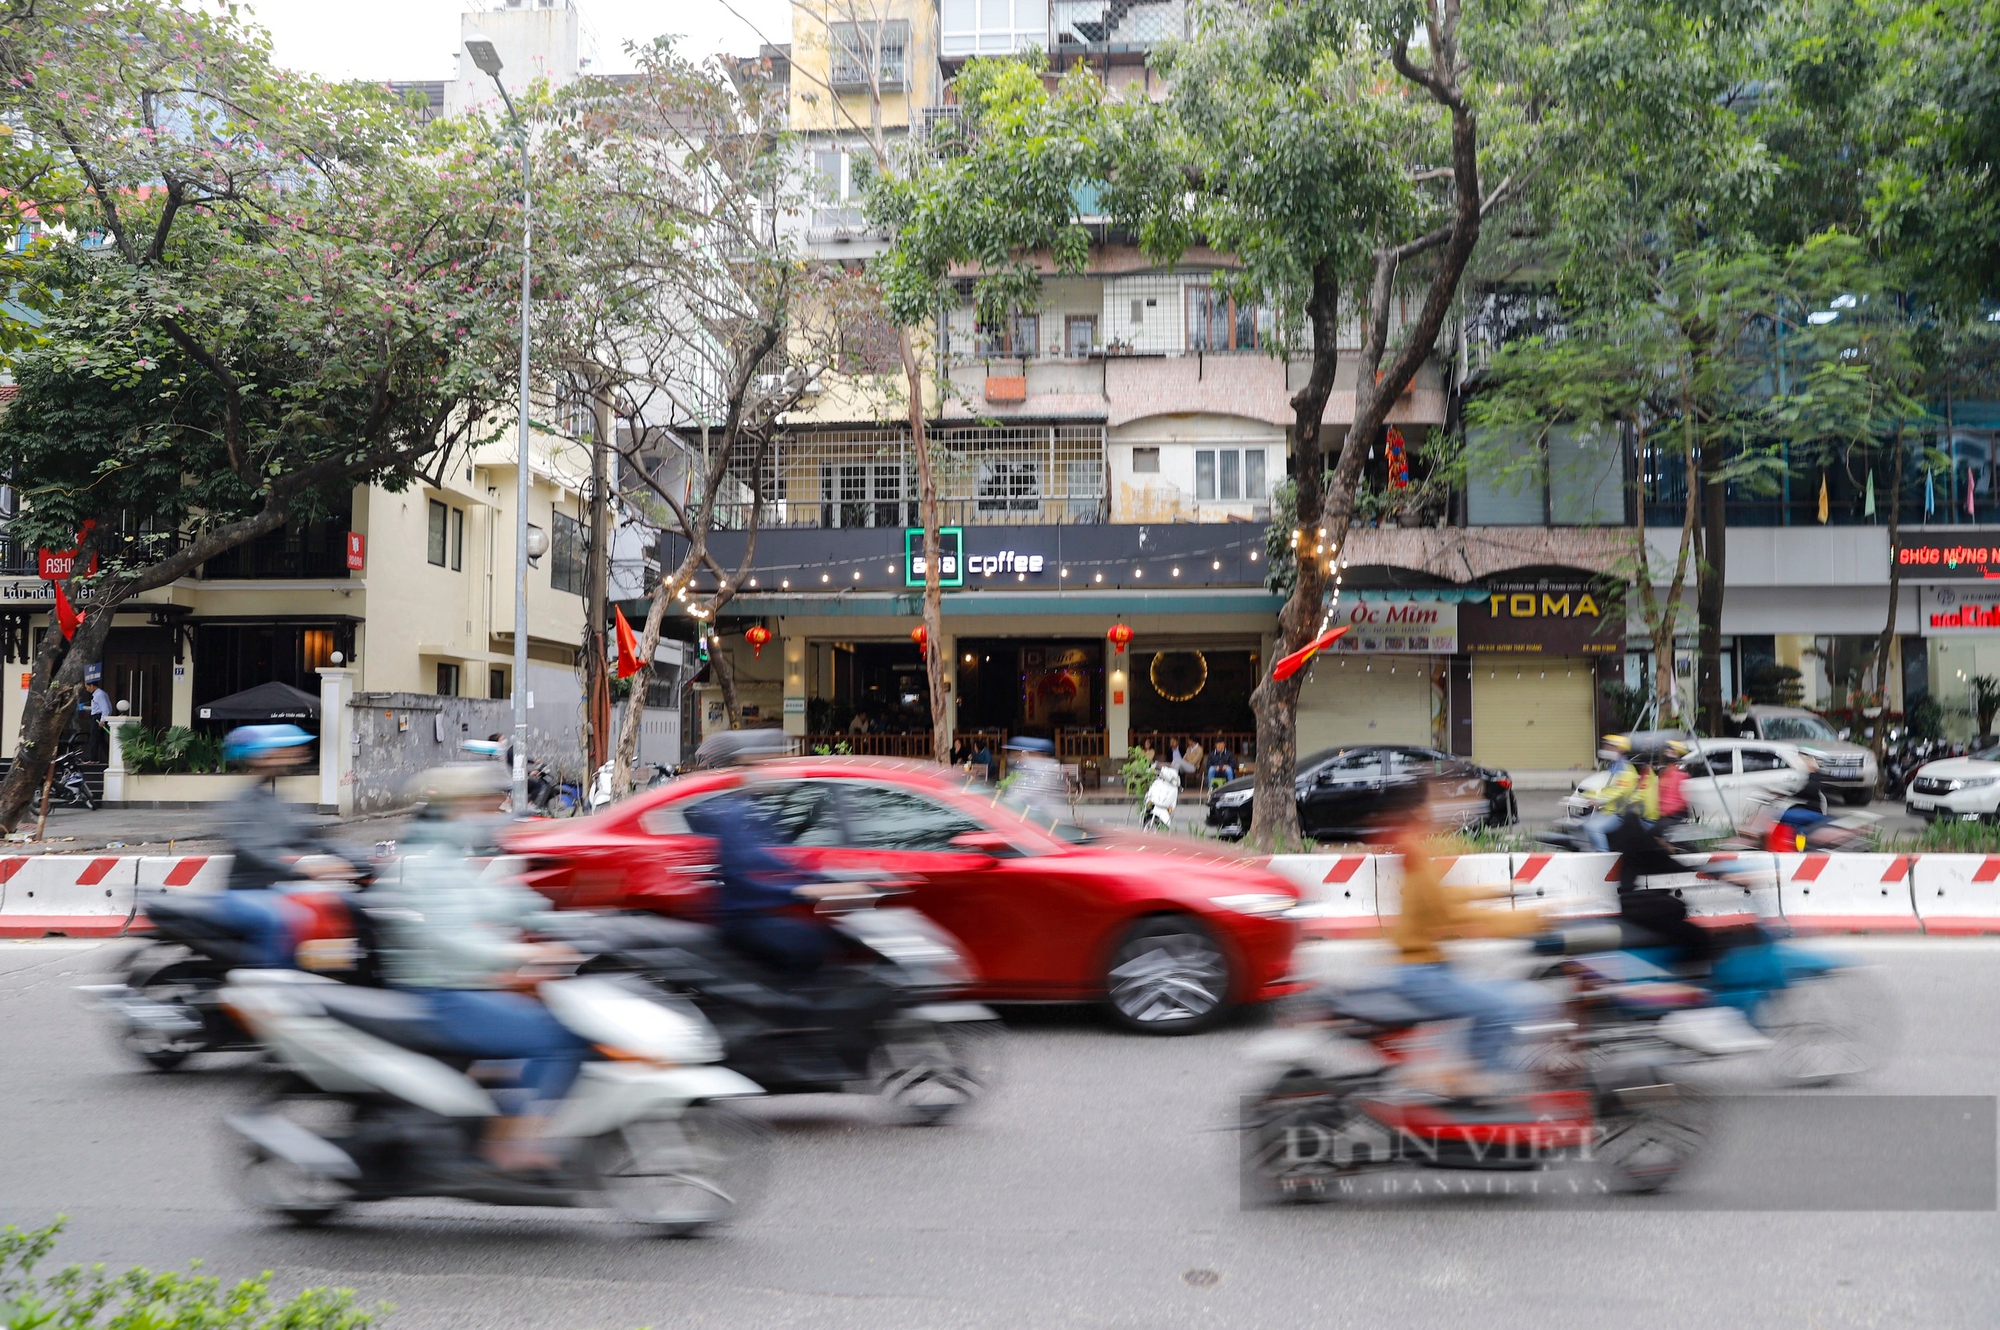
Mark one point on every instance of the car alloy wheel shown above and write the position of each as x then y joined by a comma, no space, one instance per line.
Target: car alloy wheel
1168,976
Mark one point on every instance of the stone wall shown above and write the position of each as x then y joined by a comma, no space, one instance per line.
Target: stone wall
396,735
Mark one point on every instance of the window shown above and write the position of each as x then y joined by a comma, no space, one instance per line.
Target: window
458,540
869,54
1018,339
496,684
1799,727
1229,475
991,27
1218,323
1146,461
1010,487
802,813
828,166
570,547
435,548
447,681
1079,335
1761,759
1720,762
881,818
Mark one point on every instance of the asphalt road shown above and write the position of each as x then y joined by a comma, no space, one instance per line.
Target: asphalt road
1095,1190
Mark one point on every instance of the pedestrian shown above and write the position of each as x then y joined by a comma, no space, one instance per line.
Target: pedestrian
100,719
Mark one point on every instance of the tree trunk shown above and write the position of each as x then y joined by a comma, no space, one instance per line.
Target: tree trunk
1715,563
649,643
927,498
1274,810
1887,645
723,666
53,688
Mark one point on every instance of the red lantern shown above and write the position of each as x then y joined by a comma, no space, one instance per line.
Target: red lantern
1120,634
756,635
920,636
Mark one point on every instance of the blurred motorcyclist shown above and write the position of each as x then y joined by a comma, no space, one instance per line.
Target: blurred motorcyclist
1618,790
1433,913
757,891
271,841
1038,778
456,941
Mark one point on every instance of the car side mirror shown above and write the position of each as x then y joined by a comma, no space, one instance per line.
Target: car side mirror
1845,733
1327,776
989,843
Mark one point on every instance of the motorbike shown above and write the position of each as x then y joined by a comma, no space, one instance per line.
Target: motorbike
1339,1095
662,773
552,796
168,1001
68,782
879,1017
362,1107
1161,799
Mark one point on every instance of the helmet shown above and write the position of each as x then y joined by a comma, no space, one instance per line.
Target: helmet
1030,745
459,780
1677,748
1618,743
735,746
248,741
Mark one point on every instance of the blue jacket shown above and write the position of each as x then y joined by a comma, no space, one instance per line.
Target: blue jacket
754,879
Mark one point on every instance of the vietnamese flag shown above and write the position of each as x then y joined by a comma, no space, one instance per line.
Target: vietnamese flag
1289,665
628,646
67,617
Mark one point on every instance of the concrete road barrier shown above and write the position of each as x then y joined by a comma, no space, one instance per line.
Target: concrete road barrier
1338,897
1848,893
67,895
1957,893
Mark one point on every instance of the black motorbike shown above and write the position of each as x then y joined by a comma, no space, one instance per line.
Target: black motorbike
68,781
881,1016
167,1004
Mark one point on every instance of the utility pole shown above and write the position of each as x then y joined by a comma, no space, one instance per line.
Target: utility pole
597,583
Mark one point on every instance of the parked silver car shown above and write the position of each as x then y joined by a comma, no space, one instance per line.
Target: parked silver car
1846,768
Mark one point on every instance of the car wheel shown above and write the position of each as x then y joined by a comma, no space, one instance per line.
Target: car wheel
1168,975
1857,798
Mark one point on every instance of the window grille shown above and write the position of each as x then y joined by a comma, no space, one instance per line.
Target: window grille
853,45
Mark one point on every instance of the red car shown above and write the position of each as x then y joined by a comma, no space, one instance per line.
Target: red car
1170,934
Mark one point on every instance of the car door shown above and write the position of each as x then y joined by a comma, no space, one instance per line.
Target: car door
1711,776
1763,775
1338,798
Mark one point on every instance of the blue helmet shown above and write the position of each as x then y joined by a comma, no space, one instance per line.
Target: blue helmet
246,741
1030,744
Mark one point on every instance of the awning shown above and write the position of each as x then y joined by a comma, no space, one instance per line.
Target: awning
265,702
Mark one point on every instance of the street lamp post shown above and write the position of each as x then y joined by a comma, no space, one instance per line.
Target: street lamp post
488,61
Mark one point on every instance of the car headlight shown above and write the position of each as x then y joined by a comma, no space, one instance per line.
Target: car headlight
1233,798
1973,783
1261,903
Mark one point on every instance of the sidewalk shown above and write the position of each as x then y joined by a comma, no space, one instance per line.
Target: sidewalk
169,831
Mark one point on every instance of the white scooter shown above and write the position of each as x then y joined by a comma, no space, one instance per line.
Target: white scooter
1161,799
363,1108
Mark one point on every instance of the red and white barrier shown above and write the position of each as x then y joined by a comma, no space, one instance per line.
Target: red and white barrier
1957,893
1565,884
67,895
185,872
1337,892
1848,893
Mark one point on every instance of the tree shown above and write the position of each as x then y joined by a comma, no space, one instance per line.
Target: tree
683,306
255,290
1306,140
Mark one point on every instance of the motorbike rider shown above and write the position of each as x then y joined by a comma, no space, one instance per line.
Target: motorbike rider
1618,790
1433,913
271,841
455,940
1038,782
757,890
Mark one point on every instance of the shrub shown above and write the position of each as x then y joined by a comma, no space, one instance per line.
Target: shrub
171,751
76,1298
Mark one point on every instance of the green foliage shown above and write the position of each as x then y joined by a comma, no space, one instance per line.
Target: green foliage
1138,774
839,749
78,1298
1627,703
174,750
1774,685
1947,836
1925,718
1986,699
1281,561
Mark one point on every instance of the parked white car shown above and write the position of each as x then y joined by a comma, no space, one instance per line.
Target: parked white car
1966,788
1729,780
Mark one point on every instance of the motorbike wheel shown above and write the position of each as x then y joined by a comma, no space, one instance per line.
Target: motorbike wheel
1293,1135
1168,975
678,1176
1644,1148
928,1071
279,1188
1838,1025
164,1050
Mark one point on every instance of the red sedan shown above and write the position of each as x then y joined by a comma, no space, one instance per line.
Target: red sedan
1170,934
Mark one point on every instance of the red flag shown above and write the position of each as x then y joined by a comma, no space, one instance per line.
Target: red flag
628,646
66,616
1292,664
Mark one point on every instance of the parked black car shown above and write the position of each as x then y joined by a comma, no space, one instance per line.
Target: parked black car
1339,788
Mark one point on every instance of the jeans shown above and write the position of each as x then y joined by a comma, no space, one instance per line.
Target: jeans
492,1024
1597,829
792,947
260,917
1495,1008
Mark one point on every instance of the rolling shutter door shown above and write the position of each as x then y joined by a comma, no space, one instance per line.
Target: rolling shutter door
1347,702
1538,715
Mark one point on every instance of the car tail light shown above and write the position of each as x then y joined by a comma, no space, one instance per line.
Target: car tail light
1504,782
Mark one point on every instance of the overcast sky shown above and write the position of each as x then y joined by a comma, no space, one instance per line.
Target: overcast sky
416,39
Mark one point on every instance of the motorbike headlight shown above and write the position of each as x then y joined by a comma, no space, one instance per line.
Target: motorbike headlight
1262,903
1233,798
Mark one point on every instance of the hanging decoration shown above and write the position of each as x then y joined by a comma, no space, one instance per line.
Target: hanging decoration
1119,635
756,635
1287,666
920,636
1179,676
628,645
1398,459
1823,506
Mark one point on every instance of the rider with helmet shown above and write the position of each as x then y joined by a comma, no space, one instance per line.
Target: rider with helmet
1618,792
271,841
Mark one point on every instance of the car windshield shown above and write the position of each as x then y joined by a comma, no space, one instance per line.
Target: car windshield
1798,727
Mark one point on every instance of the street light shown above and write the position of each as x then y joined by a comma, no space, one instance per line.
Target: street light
488,62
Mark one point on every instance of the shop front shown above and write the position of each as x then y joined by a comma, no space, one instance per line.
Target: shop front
1387,679
1538,648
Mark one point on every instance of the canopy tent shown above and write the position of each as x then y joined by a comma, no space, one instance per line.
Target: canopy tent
264,703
